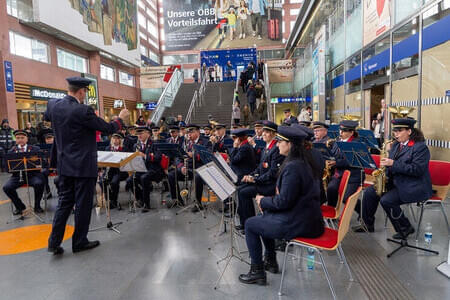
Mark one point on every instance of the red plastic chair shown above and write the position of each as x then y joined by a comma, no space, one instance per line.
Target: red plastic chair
330,240
333,213
440,179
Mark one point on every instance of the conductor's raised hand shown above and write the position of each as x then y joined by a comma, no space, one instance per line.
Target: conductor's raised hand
124,115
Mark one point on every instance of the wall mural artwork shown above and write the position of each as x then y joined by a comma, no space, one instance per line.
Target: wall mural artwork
115,19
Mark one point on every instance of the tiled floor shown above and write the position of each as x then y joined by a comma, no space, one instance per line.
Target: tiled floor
160,255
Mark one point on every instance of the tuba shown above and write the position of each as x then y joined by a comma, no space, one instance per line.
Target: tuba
379,175
184,193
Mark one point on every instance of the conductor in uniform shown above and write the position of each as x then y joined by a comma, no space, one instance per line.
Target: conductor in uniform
75,155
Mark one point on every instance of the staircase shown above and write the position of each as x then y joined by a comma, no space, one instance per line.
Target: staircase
182,100
217,102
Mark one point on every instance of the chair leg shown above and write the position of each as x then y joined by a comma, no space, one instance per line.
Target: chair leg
420,221
345,262
412,213
324,267
339,256
445,217
280,291
300,260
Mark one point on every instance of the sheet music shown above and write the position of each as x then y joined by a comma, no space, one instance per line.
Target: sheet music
226,167
112,157
216,180
137,164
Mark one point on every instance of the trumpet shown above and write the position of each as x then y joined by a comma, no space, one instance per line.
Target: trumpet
184,193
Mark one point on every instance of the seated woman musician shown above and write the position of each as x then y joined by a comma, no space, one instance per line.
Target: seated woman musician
112,177
347,133
408,176
242,157
293,212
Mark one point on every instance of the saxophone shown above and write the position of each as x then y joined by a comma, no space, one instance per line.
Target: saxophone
380,178
327,171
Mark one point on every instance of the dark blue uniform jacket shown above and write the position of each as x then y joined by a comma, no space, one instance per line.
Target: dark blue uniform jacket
297,205
242,160
410,172
75,127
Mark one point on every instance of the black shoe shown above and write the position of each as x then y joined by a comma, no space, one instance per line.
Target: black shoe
112,205
360,228
239,227
255,275
403,234
49,196
38,210
87,246
56,250
119,207
17,212
271,264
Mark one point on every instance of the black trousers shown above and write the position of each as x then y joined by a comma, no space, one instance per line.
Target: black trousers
246,208
78,191
142,182
333,190
390,202
259,228
113,183
37,181
174,186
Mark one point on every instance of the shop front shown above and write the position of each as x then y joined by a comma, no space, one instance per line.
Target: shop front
294,104
31,102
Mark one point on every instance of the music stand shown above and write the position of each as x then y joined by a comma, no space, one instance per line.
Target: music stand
368,138
333,131
173,151
357,156
125,161
201,149
23,163
324,150
224,188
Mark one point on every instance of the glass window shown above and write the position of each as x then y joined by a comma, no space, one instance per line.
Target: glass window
71,61
125,78
11,7
27,47
151,28
354,84
335,36
405,50
153,43
142,20
353,26
294,11
153,56
107,72
404,8
141,4
143,50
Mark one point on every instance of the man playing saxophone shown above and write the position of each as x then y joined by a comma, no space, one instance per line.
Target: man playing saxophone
408,178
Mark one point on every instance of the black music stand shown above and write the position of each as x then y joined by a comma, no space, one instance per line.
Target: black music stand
324,150
333,131
357,155
173,151
224,188
368,138
23,163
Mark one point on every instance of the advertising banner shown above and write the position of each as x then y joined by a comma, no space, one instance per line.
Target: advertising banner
213,24
280,70
377,19
225,65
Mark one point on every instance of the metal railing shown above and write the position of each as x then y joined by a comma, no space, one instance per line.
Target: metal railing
168,95
197,100
270,115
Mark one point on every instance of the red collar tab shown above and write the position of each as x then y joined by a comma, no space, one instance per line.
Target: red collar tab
411,143
244,142
350,138
272,143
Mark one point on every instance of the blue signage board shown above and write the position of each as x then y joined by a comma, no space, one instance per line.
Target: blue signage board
216,61
290,100
150,105
447,93
9,76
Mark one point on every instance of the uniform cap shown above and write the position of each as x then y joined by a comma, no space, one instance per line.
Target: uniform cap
290,134
80,82
400,123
